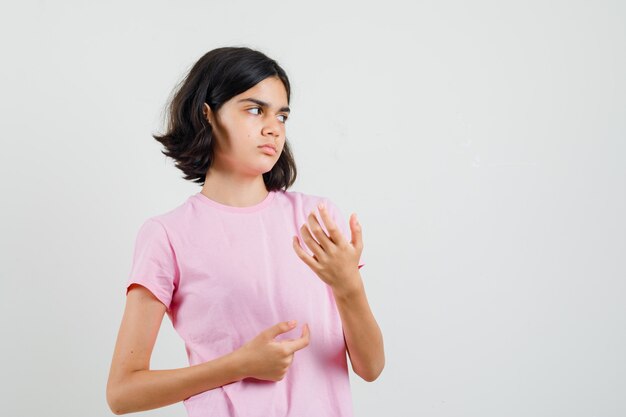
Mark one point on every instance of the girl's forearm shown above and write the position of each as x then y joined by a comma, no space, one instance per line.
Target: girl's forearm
364,339
147,389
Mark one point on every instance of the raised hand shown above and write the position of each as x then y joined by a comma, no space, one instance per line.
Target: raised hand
269,359
335,260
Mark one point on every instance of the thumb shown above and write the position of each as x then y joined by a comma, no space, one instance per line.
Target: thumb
300,343
280,328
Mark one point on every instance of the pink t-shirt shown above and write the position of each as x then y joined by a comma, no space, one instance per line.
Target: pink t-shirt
227,273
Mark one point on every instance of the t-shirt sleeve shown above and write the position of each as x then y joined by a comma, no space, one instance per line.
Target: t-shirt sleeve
343,223
154,262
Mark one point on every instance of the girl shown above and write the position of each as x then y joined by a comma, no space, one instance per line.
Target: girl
229,268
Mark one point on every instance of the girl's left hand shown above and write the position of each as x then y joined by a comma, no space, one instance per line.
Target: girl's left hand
334,260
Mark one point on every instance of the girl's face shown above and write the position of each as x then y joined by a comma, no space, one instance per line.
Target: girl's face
245,123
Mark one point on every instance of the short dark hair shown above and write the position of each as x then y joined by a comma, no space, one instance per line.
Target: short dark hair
215,78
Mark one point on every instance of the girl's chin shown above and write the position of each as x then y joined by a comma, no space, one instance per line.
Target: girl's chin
264,168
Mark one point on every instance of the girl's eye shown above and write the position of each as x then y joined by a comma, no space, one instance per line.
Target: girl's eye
284,117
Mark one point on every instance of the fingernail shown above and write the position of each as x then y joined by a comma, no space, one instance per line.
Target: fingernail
320,206
291,322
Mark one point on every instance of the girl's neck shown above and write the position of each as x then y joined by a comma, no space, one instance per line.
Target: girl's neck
233,191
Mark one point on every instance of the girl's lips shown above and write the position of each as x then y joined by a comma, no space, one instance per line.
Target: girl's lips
268,150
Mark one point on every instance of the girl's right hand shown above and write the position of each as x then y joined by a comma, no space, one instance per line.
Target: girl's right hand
269,359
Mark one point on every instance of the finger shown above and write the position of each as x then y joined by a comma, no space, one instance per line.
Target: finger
318,232
311,243
333,231
300,343
357,234
280,328
302,254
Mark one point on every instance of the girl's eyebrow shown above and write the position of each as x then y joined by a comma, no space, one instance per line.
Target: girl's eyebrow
264,104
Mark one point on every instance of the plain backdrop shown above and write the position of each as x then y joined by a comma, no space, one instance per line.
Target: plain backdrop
482,145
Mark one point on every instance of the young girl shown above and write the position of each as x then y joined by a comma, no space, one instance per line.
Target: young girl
240,264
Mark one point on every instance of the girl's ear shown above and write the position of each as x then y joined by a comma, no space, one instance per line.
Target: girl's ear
208,114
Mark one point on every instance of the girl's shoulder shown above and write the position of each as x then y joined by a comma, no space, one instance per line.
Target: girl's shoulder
305,202
305,199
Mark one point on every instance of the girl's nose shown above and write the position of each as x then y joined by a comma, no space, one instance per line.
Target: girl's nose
272,126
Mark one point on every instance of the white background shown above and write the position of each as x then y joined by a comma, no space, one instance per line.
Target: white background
482,145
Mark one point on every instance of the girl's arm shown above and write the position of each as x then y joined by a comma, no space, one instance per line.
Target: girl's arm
132,386
335,261
364,340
